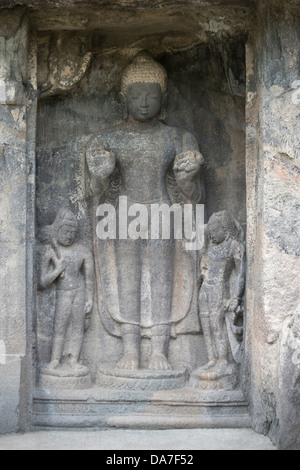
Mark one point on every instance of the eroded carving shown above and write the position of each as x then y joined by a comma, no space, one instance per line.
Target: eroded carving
145,154
13,51
233,61
70,266
221,313
66,65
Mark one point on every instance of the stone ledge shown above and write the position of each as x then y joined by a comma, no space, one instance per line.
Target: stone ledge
141,380
119,439
100,408
178,422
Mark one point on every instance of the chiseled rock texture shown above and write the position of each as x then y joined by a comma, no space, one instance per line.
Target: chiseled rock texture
13,209
273,158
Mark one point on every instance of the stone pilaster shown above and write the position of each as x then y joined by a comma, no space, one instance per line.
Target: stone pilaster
15,185
273,158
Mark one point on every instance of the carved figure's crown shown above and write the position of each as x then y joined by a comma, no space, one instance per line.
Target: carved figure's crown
144,69
65,217
225,220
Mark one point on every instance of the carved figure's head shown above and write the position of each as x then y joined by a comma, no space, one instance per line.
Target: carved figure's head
65,227
144,86
221,226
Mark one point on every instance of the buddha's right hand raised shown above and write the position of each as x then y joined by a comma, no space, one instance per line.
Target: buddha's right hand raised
101,163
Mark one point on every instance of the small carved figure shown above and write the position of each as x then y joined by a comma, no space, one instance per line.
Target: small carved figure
70,266
223,283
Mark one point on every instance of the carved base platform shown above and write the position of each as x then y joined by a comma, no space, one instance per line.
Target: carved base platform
224,377
65,379
65,383
227,382
141,379
101,408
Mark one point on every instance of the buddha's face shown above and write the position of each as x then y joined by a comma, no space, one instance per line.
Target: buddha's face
144,100
216,232
67,235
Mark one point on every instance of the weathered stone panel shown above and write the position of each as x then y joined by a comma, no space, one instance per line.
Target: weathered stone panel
273,216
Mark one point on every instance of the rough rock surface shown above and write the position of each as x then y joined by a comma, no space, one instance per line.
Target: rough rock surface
273,220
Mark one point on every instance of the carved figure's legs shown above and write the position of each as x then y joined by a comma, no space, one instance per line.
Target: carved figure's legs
129,261
129,282
208,340
218,328
223,365
77,332
207,328
159,348
131,335
161,256
57,350
64,302
129,268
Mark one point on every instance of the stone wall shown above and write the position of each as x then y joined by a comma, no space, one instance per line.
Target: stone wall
273,219
16,176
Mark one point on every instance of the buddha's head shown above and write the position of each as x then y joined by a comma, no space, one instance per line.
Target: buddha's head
144,87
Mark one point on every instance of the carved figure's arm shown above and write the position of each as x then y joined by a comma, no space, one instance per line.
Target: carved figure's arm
50,269
101,164
203,267
88,267
188,168
240,265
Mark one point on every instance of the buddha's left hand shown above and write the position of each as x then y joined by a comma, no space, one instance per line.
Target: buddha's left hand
188,164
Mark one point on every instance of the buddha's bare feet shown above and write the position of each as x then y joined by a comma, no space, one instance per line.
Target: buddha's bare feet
159,361
129,361
210,365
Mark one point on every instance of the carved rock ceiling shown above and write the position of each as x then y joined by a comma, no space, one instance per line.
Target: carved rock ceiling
141,4
136,17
